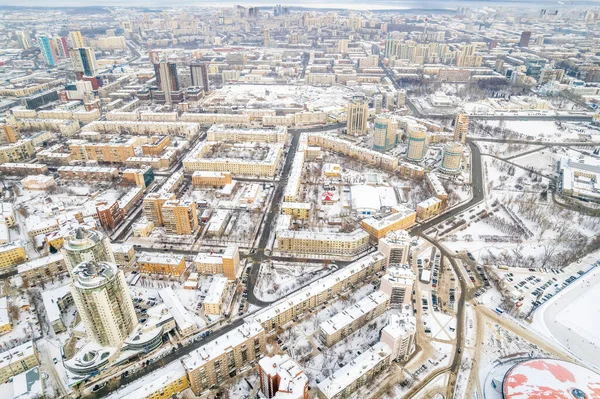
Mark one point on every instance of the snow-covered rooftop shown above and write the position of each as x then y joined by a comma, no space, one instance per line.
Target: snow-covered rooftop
354,312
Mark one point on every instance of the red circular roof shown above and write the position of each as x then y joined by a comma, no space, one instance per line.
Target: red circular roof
550,379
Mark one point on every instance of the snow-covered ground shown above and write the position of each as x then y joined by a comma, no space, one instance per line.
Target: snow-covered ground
572,317
280,278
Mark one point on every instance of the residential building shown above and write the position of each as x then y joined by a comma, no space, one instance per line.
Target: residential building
399,335
17,360
213,363
43,269
226,263
84,62
318,292
199,73
141,177
124,255
452,154
184,320
19,151
297,210
429,207
213,303
217,133
86,246
102,298
48,50
461,128
88,173
400,218
5,324
180,217
166,78
110,215
153,204
525,37
11,254
395,245
11,133
398,282
282,378
351,319
359,372
385,136
417,144
358,115
211,179
164,264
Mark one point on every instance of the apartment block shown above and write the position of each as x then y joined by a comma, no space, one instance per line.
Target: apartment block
265,167
211,179
282,378
315,294
359,372
102,152
23,169
180,217
19,151
157,146
429,207
396,247
227,263
17,360
353,318
165,264
87,173
399,335
43,269
240,135
400,218
10,255
141,177
297,210
213,303
398,282
212,364
153,204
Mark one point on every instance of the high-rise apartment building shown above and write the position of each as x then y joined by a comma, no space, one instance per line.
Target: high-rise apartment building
282,378
153,204
396,247
398,282
180,217
84,61
166,79
452,154
11,133
86,246
76,39
199,72
48,51
100,293
525,37
385,135
399,335
358,114
24,39
417,144
461,127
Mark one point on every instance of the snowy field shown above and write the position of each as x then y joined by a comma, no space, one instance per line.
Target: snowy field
313,98
282,278
572,318
546,130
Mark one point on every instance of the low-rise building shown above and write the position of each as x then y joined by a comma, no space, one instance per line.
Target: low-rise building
43,269
165,264
17,360
211,179
213,303
88,173
10,255
183,319
297,210
429,207
38,182
226,263
400,218
5,324
353,318
212,364
124,255
240,135
56,302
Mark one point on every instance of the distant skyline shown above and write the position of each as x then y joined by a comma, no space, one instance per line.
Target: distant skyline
341,4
